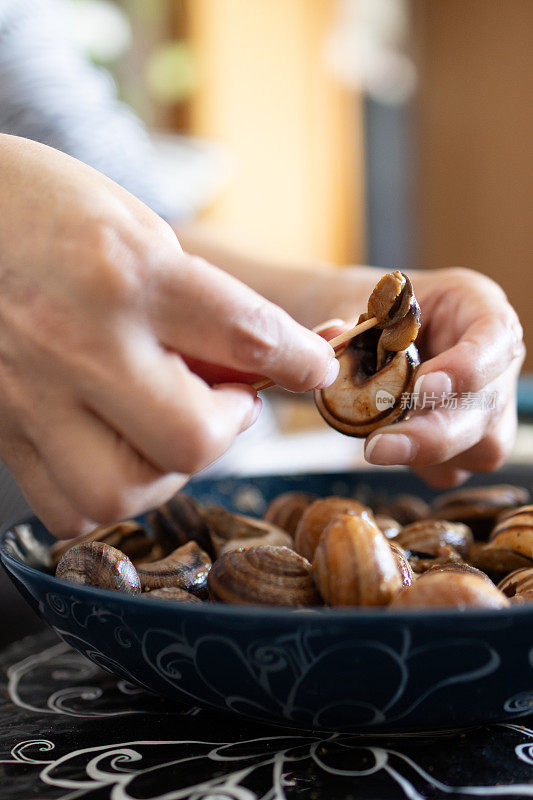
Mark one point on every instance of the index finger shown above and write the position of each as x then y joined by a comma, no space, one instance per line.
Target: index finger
203,313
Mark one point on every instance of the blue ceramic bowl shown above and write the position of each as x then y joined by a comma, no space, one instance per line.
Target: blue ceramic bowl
372,672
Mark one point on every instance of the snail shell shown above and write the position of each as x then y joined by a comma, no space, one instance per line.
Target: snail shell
276,538
515,538
172,593
459,567
458,588
99,564
354,565
518,582
405,508
427,537
230,531
179,521
400,556
478,507
521,599
130,537
518,519
496,562
186,567
364,398
286,510
511,545
274,576
318,515
228,525
388,526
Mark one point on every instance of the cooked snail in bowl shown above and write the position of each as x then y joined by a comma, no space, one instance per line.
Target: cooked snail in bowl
313,551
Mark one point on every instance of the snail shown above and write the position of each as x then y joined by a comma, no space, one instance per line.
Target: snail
186,567
387,525
434,541
459,567
172,593
354,565
478,506
378,366
450,587
405,508
515,520
510,547
99,564
178,521
286,510
230,531
497,562
518,586
273,576
345,555
130,537
318,515
402,562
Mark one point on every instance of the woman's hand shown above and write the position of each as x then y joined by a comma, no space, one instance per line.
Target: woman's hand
100,416
471,350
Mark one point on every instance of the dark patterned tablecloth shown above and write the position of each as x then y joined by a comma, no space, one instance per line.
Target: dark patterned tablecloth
69,730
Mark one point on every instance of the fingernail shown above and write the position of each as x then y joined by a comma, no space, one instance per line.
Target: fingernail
389,448
331,374
258,405
329,323
437,383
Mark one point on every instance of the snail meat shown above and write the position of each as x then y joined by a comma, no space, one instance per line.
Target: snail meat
378,366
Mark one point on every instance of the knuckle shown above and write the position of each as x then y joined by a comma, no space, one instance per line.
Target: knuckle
462,273
468,371
255,338
108,264
202,445
516,331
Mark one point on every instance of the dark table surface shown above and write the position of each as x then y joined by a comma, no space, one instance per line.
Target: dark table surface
69,730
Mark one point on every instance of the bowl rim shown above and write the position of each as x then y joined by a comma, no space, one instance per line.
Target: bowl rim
325,614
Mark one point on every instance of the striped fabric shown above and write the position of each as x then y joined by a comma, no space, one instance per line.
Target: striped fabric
51,93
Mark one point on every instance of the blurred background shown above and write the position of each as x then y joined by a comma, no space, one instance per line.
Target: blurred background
391,132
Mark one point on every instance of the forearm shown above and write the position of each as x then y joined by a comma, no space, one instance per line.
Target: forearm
311,294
